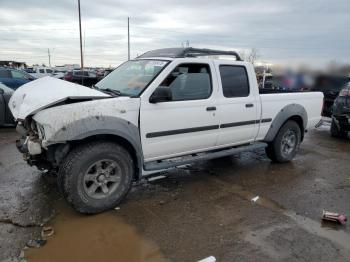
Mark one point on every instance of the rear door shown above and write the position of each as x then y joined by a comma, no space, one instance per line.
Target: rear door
188,123
237,105
2,107
5,113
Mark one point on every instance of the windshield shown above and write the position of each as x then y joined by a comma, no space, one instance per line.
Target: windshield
132,77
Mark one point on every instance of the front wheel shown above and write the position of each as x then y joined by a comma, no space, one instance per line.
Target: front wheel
286,143
96,176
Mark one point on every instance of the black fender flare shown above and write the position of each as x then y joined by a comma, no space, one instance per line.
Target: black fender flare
286,113
101,125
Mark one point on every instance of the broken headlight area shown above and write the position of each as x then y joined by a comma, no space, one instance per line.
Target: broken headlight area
34,153
29,141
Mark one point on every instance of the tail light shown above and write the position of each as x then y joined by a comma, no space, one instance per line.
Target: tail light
345,92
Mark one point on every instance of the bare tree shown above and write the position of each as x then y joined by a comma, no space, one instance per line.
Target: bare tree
252,55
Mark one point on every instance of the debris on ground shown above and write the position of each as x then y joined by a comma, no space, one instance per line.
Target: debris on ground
156,178
116,208
335,217
254,199
208,259
21,255
36,243
47,232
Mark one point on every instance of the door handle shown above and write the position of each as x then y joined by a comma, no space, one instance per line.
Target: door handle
249,105
211,108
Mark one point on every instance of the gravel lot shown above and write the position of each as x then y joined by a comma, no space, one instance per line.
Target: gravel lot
194,212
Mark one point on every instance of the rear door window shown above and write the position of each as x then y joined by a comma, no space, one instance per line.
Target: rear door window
234,80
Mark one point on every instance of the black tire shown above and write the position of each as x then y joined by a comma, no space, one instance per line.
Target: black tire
335,132
77,185
279,150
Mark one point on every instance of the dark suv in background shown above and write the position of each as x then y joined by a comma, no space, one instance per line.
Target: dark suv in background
14,78
86,78
330,86
341,114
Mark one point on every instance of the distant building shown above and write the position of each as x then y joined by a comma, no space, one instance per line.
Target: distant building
13,64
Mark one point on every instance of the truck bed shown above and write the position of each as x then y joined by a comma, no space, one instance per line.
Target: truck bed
273,102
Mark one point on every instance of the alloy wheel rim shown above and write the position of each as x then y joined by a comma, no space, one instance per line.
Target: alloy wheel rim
102,179
289,142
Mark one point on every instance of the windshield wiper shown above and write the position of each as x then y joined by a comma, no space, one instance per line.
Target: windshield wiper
110,91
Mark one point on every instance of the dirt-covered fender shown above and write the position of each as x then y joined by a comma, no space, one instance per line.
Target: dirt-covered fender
74,122
292,110
102,125
98,125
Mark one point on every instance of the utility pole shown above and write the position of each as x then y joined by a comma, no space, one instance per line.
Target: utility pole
48,52
81,43
128,39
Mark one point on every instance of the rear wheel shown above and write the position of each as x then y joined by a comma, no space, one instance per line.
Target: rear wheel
286,143
96,176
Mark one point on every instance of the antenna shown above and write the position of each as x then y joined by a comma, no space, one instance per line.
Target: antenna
128,38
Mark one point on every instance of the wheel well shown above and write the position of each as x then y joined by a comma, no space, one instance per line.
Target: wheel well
299,120
119,140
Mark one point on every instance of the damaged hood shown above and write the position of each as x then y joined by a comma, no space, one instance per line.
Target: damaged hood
46,92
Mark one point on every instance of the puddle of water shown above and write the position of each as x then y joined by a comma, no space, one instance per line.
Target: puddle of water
102,237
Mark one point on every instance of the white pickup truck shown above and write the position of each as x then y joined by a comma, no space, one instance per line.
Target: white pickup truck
166,108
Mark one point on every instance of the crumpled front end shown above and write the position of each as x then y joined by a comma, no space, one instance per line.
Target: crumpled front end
47,136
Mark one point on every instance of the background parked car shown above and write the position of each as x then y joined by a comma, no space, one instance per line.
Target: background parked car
29,70
14,78
6,118
341,114
42,71
59,74
86,78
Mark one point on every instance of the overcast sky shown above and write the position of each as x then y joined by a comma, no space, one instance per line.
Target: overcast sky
313,31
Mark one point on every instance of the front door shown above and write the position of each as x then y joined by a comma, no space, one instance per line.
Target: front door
188,122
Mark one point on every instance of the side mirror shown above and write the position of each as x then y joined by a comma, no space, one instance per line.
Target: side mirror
161,94
2,91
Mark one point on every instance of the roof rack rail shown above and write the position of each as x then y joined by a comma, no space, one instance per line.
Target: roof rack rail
187,52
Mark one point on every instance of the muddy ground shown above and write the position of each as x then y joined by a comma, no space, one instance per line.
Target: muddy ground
195,212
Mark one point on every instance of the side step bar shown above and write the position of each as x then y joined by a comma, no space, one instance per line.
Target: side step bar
179,161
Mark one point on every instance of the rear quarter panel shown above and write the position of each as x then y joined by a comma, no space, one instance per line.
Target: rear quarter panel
272,104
